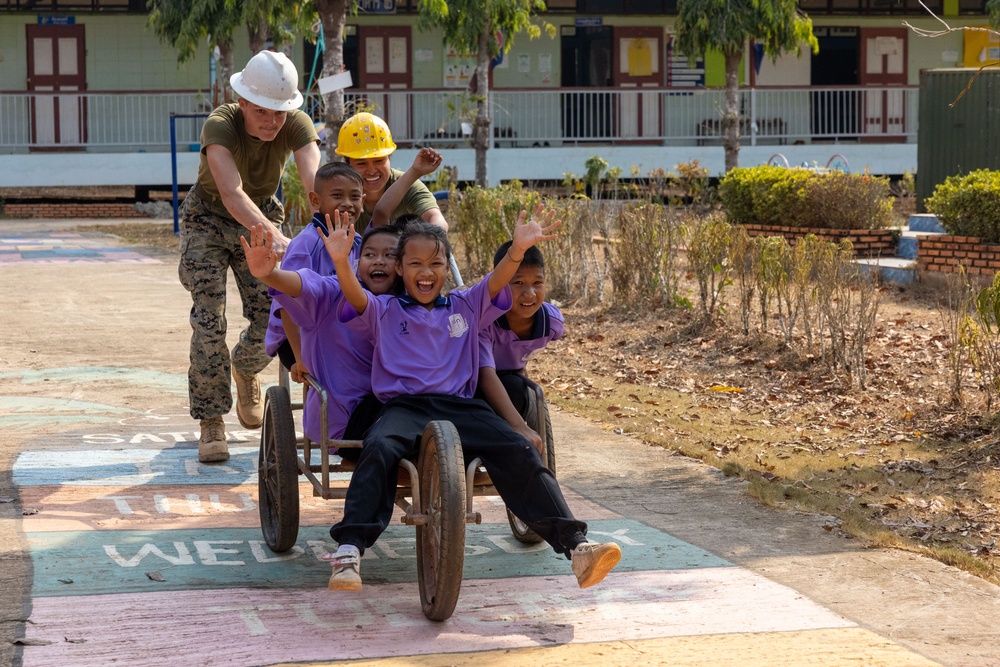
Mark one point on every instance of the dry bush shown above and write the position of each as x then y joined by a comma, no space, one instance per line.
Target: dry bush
709,240
644,267
982,338
957,309
848,299
484,219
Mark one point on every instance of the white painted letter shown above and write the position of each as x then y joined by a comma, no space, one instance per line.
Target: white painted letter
121,503
183,556
207,552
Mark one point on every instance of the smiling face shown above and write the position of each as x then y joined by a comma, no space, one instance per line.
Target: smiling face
377,264
423,264
262,123
528,290
375,173
337,193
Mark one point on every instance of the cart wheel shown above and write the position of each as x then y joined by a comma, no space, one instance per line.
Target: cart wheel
278,473
441,541
538,420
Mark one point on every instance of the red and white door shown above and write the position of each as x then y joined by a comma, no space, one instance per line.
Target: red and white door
56,63
883,64
384,64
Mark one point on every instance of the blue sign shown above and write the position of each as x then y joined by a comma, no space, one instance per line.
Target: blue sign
377,6
589,21
56,20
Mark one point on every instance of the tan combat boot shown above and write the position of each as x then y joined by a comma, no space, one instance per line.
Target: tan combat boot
249,407
212,446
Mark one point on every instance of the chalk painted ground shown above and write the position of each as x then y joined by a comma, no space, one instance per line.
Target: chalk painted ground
64,248
142,556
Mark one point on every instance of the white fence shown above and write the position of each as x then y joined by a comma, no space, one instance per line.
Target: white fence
140,121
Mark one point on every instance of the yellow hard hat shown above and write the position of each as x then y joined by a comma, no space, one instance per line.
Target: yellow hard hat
363,136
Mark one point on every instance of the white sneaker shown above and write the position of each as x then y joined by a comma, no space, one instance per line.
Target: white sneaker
592,562
346,574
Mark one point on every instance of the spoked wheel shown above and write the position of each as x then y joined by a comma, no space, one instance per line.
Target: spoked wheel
278,473
538,420
441,541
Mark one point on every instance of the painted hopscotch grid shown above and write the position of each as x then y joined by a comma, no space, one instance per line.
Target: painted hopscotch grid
64,248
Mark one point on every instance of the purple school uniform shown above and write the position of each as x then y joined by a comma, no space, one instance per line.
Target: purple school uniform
305,251
421,351
511,353
340,359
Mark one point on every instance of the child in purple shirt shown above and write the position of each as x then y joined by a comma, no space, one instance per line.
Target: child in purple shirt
529,325
339,359
425,367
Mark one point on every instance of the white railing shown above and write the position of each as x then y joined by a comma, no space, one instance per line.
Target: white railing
135,121
106,121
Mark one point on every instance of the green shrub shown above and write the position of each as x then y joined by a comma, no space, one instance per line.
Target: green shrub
298,210
765,195
969,205
768,195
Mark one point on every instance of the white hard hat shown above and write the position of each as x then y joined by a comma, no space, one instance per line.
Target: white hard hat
269,80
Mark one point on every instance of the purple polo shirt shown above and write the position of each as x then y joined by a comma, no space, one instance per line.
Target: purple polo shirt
421,351
340,359
511,353
305,251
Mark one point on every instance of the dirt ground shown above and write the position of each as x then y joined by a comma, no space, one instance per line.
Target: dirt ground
891,462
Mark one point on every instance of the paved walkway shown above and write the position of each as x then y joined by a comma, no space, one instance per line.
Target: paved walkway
136,554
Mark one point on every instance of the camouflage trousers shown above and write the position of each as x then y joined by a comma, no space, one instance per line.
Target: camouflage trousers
210,246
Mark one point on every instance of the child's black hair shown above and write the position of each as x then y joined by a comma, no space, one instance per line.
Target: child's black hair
404,221
389,230
332,170
532,256
424,230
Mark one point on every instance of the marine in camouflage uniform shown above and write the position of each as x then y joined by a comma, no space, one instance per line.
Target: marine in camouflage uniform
244,149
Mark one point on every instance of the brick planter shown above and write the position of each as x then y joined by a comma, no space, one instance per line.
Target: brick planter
69,210
946,253
867,242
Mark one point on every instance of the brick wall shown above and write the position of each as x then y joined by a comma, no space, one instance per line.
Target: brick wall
867,242
946,253
69,210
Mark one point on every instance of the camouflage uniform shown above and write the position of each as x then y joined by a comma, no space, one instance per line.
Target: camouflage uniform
210,245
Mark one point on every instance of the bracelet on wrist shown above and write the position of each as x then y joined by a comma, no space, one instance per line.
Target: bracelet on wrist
511,257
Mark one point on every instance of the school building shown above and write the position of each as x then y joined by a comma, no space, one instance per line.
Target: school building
87,90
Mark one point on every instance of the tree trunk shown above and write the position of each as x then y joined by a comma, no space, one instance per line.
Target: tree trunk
731,113
481,125
333,16
257,35
223,72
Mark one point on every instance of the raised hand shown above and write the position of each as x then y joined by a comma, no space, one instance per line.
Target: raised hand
426,161
340,240
260,253
539,228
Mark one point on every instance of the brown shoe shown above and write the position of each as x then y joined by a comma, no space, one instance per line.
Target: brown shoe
212,446
249,407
